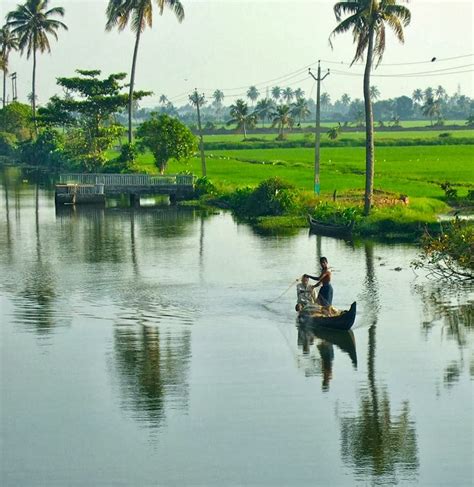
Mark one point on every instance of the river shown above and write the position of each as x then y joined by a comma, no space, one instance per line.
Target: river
156,346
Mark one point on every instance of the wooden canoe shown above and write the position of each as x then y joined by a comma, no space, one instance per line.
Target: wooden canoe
344,321
329,229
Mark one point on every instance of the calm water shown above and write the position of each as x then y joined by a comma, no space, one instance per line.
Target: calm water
140,347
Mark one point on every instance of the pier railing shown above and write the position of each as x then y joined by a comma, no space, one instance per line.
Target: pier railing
127,179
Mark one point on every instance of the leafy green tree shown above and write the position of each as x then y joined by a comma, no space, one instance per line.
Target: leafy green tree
253,94
140,15
282,118
367,19
17,119
8,43
31,23
264,108
167,138
241,116
88,110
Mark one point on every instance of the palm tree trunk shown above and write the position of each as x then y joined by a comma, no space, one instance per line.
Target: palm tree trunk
369,128
4,87
33,89
245,132
132,82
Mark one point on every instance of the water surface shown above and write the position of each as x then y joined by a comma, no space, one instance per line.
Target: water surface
151,347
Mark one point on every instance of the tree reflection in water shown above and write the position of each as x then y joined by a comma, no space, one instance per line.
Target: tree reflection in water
151,367
448,307
374,442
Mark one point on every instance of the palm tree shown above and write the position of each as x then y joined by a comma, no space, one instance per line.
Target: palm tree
253,94
282,118
428,93
374,93
31,23
276,93
325,100
300,110
287,94
431,109
440,93
140,14
345,99
367,19
264,108
239,112
8,43
163,99
299,93
218,96
333,132
417,95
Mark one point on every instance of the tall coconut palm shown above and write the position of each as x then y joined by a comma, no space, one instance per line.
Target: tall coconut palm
218,96
31,23
299,93
417,95
241,116
299,109
276,93
428,93
282,118
140,15
431,109
287,94
325,100
253,94
163,99
367,20
8,43
264,108
345,99
441,93
374,93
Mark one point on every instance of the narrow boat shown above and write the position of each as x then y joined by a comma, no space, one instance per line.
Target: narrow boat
329,229
343,321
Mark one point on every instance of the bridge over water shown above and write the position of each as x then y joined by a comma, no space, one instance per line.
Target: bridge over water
94,188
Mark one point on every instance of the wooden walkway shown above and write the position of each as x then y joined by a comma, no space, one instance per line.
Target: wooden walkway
94,188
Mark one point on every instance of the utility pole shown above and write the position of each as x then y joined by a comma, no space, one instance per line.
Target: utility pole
199,100
317,141
14,92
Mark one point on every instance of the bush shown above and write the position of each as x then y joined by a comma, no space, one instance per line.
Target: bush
204,186
8,144
444,134
46,150
336,215
272,197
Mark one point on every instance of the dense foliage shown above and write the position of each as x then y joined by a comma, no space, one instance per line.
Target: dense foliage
166,138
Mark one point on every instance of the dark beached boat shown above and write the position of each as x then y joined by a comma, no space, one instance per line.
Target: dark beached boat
344,321
329,229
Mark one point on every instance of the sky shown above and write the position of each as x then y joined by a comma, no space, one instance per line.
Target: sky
230,45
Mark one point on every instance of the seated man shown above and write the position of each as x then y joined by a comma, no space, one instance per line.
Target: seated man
304,294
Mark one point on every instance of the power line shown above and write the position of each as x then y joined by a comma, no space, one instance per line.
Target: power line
398,75
440,60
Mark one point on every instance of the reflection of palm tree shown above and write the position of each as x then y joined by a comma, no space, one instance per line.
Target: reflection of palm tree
151,368
377,443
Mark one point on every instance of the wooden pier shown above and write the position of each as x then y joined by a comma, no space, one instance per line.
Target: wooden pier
94,188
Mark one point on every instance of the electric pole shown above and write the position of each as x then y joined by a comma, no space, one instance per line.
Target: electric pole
317,141
199,100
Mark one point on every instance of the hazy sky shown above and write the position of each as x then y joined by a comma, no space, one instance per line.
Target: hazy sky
231,44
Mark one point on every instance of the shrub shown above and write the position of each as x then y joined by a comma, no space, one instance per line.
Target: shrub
204,186
449,191
335,214
8,144
46,150
444,134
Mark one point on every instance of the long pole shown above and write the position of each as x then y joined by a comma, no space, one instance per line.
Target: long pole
201,142
317,138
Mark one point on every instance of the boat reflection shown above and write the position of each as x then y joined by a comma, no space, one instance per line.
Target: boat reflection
324,339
